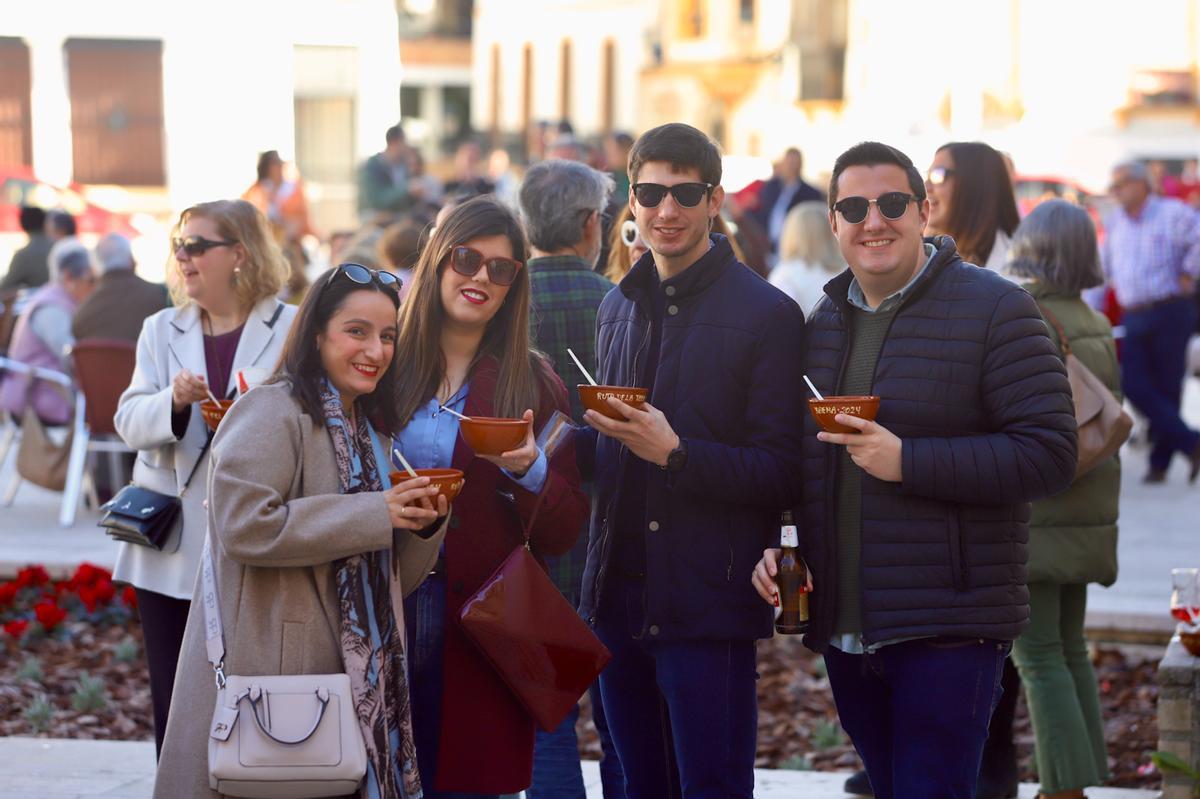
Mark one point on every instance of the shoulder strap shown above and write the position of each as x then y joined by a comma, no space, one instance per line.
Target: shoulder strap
214,633
1063,341
196,465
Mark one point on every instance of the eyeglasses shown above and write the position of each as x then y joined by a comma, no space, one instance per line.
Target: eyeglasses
197,245
892,205
467,261
363,276
629,232
939,174
687,195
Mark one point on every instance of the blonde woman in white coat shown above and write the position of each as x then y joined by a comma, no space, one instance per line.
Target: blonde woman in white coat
224,273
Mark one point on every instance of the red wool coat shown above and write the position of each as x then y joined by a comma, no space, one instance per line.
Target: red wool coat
486,743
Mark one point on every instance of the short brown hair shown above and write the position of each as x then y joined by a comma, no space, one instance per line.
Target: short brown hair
681,146
400,245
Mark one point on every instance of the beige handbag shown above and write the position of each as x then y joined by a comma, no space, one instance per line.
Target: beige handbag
1103,424
278,736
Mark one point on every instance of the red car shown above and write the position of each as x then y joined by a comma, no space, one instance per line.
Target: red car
18,187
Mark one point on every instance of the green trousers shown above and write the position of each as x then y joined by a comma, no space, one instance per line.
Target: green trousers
1060,689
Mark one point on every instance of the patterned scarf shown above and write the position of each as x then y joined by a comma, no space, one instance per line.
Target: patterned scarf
372,609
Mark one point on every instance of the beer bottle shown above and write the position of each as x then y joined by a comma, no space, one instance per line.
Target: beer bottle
792,579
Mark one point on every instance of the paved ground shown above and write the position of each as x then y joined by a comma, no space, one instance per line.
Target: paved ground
56,769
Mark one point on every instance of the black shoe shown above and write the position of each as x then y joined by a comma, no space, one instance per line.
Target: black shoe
997,786
1155,476
858,785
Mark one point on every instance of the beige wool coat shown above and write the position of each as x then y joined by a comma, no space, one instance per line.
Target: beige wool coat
277,523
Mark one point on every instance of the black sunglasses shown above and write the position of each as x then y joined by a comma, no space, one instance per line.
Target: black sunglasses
467,261
892,205
197,245
363,276
687,195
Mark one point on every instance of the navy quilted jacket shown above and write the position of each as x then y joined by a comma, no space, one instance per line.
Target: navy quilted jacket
729,383
976,390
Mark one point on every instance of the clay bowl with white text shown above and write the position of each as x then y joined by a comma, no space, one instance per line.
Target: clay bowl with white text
596,399
448,481
489,435
824,410
213,413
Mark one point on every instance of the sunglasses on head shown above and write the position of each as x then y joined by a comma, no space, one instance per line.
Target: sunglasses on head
197,245
363,276
939,175
629,232
687,195
892,205
467,261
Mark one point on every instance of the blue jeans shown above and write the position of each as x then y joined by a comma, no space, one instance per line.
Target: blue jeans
918,712
425,619
683,714
1153,366
556,770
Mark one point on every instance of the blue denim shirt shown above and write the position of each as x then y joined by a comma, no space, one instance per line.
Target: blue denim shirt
427,441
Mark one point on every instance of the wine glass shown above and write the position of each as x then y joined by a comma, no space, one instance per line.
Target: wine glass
1185,595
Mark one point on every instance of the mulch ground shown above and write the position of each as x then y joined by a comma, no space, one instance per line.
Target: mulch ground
797,720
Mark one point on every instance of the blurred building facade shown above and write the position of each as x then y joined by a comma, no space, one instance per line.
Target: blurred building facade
1060,84
171,108
436,54
551,60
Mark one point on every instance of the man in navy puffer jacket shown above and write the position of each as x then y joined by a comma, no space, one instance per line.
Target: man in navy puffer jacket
688,492
915,528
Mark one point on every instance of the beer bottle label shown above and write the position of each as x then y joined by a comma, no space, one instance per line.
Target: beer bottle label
788,537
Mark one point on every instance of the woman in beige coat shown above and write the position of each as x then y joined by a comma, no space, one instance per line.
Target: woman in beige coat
299,514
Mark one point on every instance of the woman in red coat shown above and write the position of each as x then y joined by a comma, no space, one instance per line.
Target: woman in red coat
464,345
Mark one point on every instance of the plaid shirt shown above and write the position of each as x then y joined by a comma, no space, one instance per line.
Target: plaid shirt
1145,257
566,296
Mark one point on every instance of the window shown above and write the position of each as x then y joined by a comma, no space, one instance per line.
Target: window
116,111
1162,88
746,10
410,102
16,131
325,138
820,32
691,19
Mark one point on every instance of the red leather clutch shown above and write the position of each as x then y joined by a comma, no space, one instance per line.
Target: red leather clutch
534,639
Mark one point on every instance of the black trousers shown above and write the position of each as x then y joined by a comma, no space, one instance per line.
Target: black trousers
163,621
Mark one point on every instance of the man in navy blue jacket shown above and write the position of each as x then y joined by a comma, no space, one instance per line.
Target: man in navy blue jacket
915,527
688,490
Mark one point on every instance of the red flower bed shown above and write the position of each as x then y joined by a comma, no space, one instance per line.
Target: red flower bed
34,605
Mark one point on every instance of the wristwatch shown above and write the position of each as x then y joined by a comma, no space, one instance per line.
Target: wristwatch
677,459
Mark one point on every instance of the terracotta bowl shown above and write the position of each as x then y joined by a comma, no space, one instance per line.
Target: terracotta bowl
213,413
1191,642
595,398
824,411
448,481
488,435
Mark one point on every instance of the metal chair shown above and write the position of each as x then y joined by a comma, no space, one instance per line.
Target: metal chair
72,489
